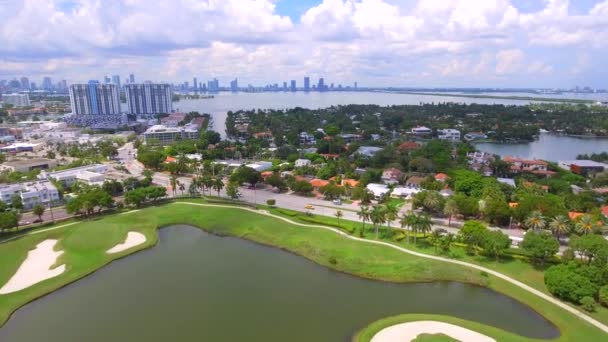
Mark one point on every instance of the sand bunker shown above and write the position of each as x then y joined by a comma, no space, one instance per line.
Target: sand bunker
405,332
133,239
35,268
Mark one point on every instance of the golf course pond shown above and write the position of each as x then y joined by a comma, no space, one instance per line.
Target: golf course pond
194,286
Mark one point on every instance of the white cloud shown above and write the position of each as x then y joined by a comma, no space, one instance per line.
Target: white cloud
374,41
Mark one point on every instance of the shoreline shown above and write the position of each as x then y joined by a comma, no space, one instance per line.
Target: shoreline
552,314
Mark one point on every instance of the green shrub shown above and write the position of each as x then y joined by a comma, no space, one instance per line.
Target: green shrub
271,202
603,295
568,282
588,304
333,260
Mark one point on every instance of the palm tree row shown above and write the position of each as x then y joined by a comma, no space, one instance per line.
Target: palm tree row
381,214
561,225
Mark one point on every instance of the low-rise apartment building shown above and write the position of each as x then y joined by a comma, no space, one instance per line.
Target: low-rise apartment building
163,135
89,174
31,193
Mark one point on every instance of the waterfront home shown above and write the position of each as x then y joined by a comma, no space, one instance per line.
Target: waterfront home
582,167
391,176
528,165
448,134
474,136
483,158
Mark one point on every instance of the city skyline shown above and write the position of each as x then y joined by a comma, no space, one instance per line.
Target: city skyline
379,43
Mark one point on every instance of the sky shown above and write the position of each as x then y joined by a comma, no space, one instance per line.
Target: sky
407,43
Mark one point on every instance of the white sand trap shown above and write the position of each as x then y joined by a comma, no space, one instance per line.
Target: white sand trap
406,332
35,268
133,239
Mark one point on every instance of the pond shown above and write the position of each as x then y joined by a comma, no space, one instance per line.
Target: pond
196,286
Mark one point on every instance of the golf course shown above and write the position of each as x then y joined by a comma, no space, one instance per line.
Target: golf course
83,247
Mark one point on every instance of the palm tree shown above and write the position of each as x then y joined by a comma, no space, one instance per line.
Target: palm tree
435,239
407,221
450,209
392,212
378,217
424,223
559,225
338,215
218,185
586,224
535,221
364,215
173,182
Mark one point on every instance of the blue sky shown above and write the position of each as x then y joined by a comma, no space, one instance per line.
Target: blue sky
431,43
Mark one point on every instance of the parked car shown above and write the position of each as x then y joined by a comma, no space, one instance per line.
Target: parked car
309,206
337,201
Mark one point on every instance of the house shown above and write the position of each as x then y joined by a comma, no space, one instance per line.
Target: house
408,146
302,162
448,134
173,119
348,138
264,136
378,190
345,181
582,167
404,192
474,136
318,183
391,175
507,181
483,158
528,165
260,166
441,177
306,138
368,151
414,182
421,130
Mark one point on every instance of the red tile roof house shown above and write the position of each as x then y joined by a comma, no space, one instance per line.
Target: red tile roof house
441,177
391,175
528,165
414,182
409,146
318,183
264,135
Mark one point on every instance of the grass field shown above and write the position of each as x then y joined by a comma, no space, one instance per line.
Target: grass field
512,265
85,244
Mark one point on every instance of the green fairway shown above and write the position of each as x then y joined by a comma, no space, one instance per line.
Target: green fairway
85,244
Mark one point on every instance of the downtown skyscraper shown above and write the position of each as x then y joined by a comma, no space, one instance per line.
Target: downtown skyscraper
148,98
306,83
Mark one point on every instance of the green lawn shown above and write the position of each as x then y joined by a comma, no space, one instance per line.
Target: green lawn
85,245
515,267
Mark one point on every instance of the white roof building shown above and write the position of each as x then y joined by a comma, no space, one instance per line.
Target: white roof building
89,174
31,193
379,190
404,192
302,163
260,166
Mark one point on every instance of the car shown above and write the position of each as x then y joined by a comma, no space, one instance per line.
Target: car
309,206
337,202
